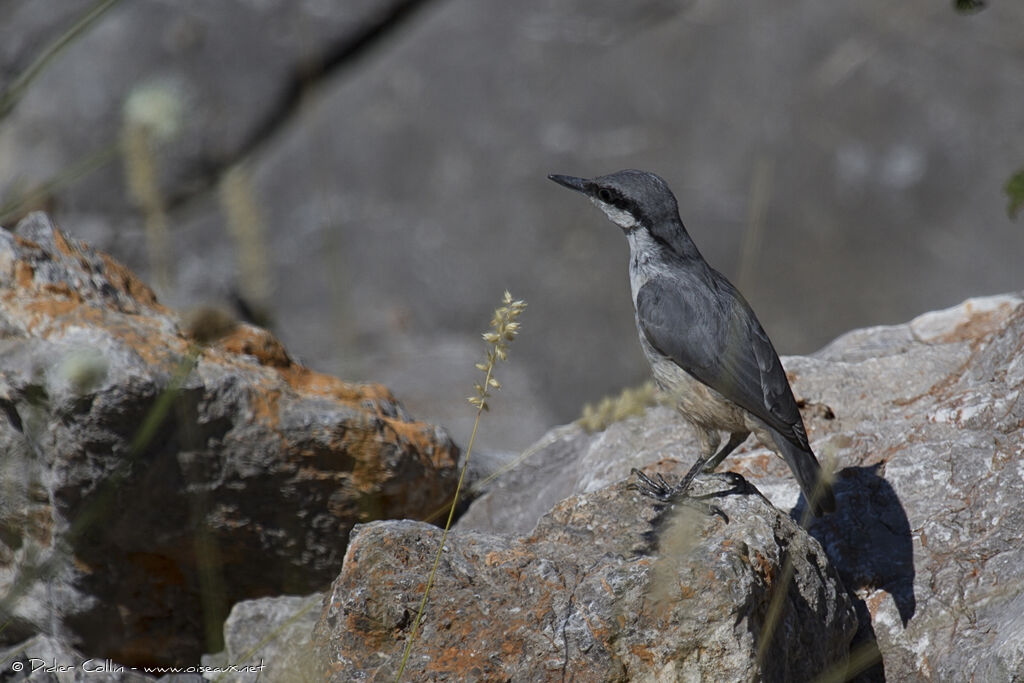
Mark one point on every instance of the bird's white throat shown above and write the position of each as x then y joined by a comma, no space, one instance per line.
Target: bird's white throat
642,262
623,219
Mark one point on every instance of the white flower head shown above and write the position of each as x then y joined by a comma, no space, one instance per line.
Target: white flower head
156,106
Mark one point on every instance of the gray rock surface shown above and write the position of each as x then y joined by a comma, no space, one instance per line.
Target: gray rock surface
581,598
133,514
921,423
842,162
270,637
234,70
47,659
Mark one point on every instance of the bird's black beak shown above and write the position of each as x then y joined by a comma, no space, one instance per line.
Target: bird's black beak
578,184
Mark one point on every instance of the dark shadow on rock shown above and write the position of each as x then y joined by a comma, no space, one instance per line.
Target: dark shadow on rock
869,542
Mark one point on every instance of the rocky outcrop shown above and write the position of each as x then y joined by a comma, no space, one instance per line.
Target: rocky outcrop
48,659
156,471
921,423
269,640
582,598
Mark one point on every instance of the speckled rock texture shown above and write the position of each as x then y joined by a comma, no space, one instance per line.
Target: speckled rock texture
47,659
133,515
921,424
268,639
590,595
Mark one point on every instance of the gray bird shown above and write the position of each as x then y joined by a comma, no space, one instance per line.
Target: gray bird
706,348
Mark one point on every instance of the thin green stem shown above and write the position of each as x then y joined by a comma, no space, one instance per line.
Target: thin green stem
860,659
14,92
99,505
93,162
482,484
245,657
779,595
444,535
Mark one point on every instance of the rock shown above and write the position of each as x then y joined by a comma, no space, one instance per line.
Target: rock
46,659
928,426
270,637
581,596
150,481
215,95
921,423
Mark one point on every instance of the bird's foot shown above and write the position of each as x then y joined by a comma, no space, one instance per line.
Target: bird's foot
660,490
737,485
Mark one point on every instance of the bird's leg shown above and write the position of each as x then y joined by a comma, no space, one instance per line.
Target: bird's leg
660,490
709,440
735,439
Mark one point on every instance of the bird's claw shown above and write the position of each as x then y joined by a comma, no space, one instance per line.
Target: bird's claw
660,490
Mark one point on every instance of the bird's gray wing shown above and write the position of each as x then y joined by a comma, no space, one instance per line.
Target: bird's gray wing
712,333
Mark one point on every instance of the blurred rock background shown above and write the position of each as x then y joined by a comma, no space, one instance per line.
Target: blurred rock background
368,176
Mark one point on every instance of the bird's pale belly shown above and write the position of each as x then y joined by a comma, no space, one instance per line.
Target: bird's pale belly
699,403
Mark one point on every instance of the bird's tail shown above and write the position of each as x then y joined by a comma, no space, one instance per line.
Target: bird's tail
817,490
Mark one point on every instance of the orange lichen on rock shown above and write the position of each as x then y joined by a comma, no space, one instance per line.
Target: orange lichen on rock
129,283
272,462
249,340
309,381
24,275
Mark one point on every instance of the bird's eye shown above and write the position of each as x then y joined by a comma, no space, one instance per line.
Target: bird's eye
605,195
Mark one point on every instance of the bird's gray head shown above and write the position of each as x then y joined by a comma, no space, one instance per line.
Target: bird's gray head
636,200
629,198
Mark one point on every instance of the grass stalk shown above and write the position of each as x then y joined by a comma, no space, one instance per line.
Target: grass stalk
504,328
15,90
